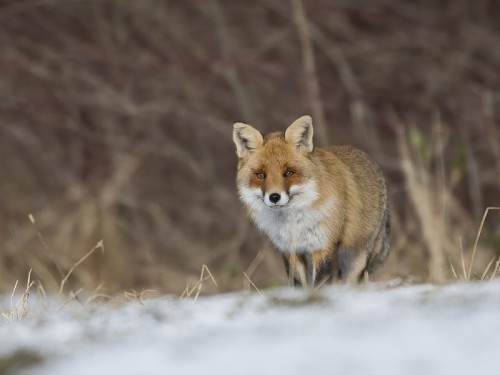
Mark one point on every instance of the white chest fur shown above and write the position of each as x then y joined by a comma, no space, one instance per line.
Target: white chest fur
296,229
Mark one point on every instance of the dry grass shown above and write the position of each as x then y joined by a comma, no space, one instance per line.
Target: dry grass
20,308
115,125
194,291
20,303
467,274
474,249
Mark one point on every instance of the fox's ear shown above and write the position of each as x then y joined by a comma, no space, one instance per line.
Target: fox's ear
300,134
246,138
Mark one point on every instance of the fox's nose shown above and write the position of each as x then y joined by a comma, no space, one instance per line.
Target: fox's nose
274,197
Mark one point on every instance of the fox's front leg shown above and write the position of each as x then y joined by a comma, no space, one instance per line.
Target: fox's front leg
323,267
310,269
296,268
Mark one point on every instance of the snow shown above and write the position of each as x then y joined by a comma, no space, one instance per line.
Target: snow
375,329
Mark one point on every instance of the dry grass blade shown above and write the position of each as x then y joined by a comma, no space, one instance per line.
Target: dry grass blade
12,295
72,296
497,267
99,245
251,269
474,249
320,285
455,275
98,294
250,282
462,259
487,268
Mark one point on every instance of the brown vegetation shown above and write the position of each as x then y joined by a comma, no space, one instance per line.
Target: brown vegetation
115,125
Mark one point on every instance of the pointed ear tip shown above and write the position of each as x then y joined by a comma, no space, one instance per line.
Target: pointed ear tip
239,126
307,118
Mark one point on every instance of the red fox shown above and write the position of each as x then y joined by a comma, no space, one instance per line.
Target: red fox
325,209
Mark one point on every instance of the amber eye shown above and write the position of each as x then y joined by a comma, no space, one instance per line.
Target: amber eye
260,176
289,173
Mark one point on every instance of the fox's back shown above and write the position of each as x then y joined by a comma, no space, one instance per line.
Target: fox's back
365,173
359,181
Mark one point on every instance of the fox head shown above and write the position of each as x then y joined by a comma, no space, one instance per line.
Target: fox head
276,172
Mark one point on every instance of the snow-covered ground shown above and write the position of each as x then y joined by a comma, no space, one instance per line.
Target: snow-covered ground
373,329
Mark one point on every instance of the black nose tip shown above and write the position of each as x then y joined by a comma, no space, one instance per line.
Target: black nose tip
274,197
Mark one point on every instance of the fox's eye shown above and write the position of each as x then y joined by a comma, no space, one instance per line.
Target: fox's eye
260,176
289,173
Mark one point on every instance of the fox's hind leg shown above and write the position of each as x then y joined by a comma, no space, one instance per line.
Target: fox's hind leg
357,265
352,265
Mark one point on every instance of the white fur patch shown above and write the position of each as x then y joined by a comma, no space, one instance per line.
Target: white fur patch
253,198
294,226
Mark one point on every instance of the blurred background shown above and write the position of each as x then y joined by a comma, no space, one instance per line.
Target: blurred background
116,125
